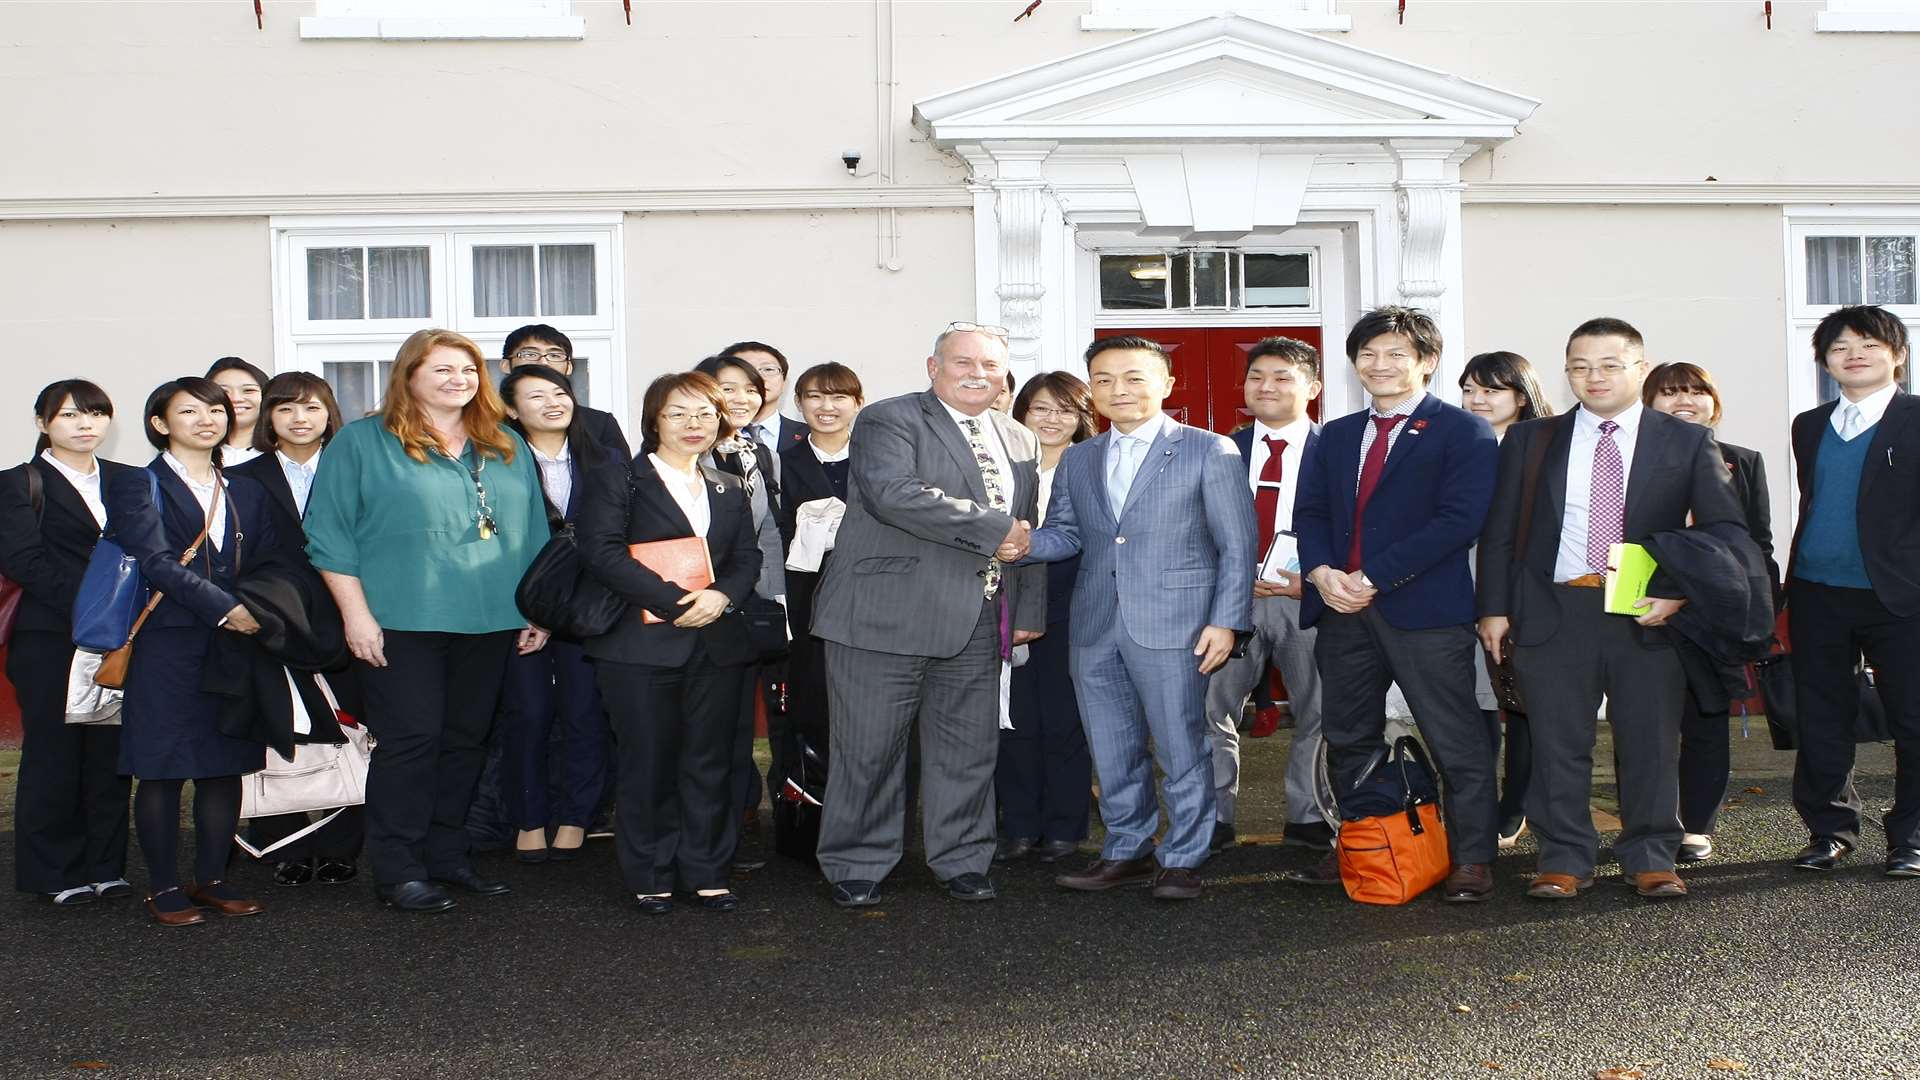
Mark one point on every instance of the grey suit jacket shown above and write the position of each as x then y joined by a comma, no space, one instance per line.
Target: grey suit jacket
907,574
1179,559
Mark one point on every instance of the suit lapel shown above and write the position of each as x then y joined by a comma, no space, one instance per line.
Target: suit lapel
1096,469
1158,458
648,486
1554,471
277,486
720,511
1882,446
1412,436
947,433
55,490
1010,431
1651,444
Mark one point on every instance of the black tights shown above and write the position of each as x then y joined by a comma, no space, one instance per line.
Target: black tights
156,818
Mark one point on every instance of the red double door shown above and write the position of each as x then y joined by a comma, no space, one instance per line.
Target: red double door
1210,369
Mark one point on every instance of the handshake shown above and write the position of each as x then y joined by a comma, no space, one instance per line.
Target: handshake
1019,540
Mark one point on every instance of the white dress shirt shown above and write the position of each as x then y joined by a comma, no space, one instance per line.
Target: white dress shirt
203,493
1295,436
1046,492
236,455
1872,408
299,477
1571,562
689,490
87,484
556,475
845,451
1148,431
994,446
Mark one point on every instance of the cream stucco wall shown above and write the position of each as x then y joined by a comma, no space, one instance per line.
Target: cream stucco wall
1702,283
128,304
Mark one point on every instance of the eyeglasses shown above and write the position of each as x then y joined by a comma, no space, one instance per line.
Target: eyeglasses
1047,412
690,419
1000,332
551,356
1612,369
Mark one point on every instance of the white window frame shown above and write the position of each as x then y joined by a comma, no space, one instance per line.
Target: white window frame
300,342
1801,222
1159,14
444,20
1308,315
1869,17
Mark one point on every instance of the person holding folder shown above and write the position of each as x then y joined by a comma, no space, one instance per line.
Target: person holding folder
1610,472
671,670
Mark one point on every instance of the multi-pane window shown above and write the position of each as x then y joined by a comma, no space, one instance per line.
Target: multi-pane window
1206,279
1851,262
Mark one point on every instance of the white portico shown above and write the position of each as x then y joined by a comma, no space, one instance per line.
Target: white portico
1224,133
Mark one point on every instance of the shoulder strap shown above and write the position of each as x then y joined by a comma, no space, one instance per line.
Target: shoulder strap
37,493
1530,487
186,556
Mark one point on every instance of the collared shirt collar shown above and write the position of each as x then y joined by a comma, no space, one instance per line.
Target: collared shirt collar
181,470
309,465
1148,430
1294,434
74,478
1629,420
1403,409
565,454
830,455
1872,407
961,418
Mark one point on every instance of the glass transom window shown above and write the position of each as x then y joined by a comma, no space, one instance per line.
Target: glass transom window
1205,279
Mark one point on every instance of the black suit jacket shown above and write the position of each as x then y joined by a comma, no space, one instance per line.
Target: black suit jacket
619,510
290,537
1888,508
802,480
201,592
1677,471
602,428
49,558
1748,472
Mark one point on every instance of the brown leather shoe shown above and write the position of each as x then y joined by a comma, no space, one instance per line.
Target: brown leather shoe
1104,874
1470,883
1326,871
1549,886
1659,885
1176,883
186,917
236,906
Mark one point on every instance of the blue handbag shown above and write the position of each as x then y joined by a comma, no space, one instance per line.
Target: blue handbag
112,592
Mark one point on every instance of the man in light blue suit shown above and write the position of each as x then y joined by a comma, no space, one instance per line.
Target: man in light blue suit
1159,514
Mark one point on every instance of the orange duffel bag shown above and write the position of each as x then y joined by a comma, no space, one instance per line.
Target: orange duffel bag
1392,844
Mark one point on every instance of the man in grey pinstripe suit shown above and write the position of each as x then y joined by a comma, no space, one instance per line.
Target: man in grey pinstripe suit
1159,514
917,611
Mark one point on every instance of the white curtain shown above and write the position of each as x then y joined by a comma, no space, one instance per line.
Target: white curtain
1890,270
334,277
398,283
502,281
1833,269
566,279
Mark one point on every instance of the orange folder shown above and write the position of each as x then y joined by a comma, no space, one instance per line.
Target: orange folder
684,561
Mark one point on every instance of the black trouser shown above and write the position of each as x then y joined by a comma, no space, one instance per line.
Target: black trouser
430,710
1516,764
1043,781
70,801
339,840
1831,629
1706,762
674,730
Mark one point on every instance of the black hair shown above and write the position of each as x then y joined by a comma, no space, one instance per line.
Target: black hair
234,363
87,398
1065,388
1413,324
1608,326
1127,341
830,378
1868,321
205,391
739,347
1502,370
586,452
711,366
535,332
1292,350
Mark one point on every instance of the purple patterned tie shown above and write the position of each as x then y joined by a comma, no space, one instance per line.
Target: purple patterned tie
1607,505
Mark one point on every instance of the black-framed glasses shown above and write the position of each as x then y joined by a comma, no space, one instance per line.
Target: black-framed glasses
1000,332
549,356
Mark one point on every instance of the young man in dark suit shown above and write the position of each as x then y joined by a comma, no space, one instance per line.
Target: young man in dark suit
1390,501
1613,471
538,343
1853,584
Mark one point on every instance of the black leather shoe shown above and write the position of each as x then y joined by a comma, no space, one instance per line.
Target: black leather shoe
852,894
1822,853
1223,837
1903,862
293,873
1013,848
335,872
1052,851
466,878
1324,872
654,905
725,901
415,896
1312,835
970,887
1694,847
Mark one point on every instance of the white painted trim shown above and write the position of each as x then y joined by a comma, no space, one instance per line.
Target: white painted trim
638,201
1146,20
455,28
1867,22
1705,192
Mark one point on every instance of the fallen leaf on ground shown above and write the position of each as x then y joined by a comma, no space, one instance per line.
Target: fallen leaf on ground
873,914
1756,791
1463,1008
1494,1065
1516,978
1236,1066
1620,1073
91,1065
1726,1065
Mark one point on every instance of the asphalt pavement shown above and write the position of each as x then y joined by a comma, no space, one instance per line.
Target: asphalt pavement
1762,972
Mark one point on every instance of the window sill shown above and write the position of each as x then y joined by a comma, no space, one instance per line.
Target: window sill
1160,20
1867,22
457,28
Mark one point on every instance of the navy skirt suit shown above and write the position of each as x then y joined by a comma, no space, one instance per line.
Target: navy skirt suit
169,725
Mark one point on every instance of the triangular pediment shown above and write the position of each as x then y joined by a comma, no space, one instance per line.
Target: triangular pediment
1224,76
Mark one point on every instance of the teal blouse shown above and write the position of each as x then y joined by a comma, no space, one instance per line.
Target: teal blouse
410,530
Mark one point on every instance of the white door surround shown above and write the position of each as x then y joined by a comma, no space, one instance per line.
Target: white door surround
1224,130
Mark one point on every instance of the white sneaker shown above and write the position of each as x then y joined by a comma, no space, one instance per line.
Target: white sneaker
107,890
1694,847
79,894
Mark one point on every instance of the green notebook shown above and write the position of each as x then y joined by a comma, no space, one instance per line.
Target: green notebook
1629,568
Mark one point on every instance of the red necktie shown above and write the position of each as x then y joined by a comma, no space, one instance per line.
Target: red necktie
1266,499
1370,479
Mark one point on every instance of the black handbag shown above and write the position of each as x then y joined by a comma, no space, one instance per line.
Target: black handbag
557,593
1774,675
766,627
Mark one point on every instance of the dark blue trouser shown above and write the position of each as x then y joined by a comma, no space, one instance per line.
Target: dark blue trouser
556,683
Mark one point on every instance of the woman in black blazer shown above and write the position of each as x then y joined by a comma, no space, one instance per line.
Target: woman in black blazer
70,808
170,732
298,417
673,687
1686,391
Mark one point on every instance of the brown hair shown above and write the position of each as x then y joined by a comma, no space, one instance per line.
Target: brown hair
288,387
830,378
1068,390
697,383
1680,375
485,417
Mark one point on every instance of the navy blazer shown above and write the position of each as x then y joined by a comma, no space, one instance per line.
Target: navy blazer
200,592
1424,516
48,558
1888,509
290,536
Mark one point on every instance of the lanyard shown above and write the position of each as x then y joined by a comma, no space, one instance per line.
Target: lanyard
483,516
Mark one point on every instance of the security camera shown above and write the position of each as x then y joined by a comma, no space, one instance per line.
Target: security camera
851,159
